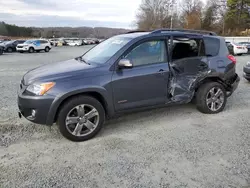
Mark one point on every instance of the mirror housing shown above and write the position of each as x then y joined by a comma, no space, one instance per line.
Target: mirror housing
125,64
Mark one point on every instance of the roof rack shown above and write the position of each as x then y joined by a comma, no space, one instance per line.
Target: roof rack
136,31
185,30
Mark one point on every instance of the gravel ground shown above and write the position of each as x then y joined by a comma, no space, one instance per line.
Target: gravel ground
169,147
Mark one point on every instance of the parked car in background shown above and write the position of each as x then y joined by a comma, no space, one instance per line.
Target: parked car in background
246,71
77,42
127,73
90,41
236,48
247,44
54,41
1,49
4,40
34,46
10,46
85,42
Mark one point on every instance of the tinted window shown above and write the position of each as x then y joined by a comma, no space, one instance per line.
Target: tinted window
149,52
43,41
20,41
187,48
212,46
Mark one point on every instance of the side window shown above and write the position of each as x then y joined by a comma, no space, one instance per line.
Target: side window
43,41
187,48
212,46
150,52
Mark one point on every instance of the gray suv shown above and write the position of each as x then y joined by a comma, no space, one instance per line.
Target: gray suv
129,72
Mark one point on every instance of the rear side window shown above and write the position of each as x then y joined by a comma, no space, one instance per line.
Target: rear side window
43,41
212,46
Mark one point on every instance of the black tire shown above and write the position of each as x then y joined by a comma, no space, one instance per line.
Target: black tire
1,51
239,54
201,97
31,50
46,49
9,50
68,106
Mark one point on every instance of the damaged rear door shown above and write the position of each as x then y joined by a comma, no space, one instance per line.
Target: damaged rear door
188,65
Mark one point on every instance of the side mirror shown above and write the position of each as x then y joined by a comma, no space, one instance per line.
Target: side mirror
125,64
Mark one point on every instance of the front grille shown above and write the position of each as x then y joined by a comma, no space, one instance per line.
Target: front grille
19,47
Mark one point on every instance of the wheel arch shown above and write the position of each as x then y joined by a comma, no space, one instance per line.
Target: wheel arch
209,79
55,108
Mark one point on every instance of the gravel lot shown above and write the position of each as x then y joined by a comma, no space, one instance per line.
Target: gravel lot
170,147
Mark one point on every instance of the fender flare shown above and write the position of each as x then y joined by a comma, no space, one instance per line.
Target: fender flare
58,101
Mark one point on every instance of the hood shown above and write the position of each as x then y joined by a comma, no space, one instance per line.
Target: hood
55,71
23,44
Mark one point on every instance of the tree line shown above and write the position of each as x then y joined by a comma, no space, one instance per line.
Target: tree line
225,17
50,32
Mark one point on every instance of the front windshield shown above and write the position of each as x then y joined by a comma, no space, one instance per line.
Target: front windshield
9,42
102,52
29,41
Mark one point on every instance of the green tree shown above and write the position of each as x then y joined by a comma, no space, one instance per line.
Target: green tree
237,16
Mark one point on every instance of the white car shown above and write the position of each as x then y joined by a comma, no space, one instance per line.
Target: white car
34,46
236,49
75,43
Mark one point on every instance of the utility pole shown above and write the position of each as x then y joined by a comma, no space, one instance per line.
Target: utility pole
172,12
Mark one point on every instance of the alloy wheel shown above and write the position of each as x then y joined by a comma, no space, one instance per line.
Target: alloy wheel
82,120
215,99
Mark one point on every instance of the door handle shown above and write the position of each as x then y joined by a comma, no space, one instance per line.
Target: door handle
202,66
160,72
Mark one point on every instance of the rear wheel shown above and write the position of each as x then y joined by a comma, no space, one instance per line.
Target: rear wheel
1,51
9,50
81,118
211,98
46,49
31,50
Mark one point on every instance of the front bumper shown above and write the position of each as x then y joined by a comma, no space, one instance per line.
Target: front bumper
246,71
24,49
34,108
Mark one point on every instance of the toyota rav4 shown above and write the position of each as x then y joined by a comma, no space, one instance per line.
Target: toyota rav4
129,72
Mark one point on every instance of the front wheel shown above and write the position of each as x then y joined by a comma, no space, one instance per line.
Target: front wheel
1,51
10,50
31,50
239,54
81,118
211,98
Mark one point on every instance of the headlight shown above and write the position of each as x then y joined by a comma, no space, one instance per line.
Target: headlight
248,64
40,89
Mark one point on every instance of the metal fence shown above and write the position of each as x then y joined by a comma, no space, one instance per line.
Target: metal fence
237,39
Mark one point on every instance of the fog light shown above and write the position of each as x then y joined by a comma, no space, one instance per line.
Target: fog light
33,113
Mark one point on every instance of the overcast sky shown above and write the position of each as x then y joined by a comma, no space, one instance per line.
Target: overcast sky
43,13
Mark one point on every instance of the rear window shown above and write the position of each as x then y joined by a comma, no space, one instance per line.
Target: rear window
212,46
